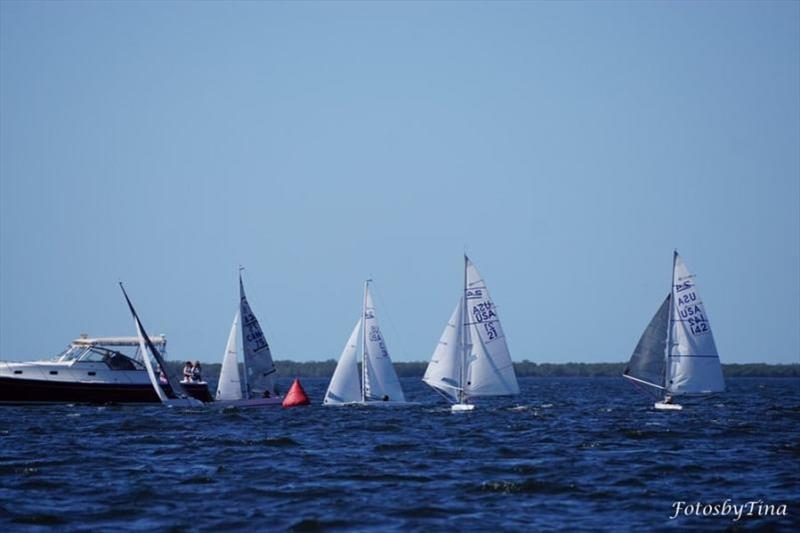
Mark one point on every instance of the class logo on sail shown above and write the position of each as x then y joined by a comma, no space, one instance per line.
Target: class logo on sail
474,293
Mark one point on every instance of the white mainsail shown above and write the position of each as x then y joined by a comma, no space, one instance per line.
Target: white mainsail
694,366
490,371
230,384
259,368
380,377
345,385
444,370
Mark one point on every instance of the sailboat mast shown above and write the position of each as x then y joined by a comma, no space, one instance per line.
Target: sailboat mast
668,349
464,326
364,344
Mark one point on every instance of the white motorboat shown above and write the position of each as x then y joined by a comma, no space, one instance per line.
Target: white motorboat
90,370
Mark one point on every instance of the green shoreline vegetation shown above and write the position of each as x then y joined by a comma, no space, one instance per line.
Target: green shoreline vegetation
416,369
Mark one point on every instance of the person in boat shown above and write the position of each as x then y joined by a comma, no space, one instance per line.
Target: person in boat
117,361
197,374
187,372
668,398
268,394
385,398
162,376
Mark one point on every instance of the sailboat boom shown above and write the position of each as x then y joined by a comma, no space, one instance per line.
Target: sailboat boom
643,382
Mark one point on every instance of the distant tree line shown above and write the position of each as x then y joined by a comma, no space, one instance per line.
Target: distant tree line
416,369
761,370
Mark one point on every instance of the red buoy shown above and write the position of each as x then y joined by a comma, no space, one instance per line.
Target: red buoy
296,395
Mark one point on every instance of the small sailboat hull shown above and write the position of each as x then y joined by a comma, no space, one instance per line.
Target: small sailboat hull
372,403
661,406
380,403
275,401
183,402
462,407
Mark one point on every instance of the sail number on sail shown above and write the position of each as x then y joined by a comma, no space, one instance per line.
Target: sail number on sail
483,313
375,336
254,336
690,309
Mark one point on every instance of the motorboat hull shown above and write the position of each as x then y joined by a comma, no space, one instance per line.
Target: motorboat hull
36,391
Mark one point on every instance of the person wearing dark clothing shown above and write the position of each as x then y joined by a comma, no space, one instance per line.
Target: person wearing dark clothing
197,374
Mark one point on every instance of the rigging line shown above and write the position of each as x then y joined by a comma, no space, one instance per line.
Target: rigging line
443,395
688,319
385,312
647,392
439,385
688,356
639,385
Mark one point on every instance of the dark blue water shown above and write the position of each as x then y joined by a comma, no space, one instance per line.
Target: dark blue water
567,453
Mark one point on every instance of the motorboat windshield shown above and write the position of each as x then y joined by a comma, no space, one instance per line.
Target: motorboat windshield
120,353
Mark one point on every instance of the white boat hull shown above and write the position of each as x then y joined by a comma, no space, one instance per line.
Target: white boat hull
462,407
661,406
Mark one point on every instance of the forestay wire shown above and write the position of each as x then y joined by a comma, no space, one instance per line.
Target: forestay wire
385,313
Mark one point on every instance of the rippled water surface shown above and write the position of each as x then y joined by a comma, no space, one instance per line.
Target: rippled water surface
577,453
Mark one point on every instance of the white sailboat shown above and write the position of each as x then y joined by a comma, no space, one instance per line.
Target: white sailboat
472,357
377,384
148,349
676,354
256,387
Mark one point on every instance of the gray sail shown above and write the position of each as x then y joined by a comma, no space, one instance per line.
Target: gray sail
259,368
648,361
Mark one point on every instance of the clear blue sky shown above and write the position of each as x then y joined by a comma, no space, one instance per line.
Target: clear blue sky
570,146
